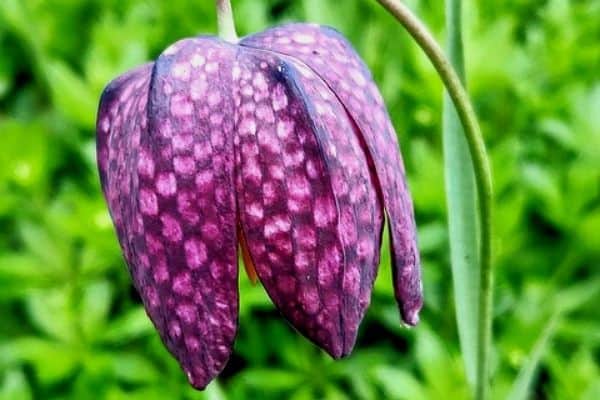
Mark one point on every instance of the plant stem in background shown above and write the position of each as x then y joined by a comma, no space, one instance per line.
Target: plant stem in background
225,21
461,198
483,180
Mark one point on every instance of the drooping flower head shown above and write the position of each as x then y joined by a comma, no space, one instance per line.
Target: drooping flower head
281,144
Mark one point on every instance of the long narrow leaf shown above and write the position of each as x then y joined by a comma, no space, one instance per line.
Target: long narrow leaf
462,208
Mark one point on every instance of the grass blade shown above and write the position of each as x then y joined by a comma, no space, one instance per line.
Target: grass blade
521,386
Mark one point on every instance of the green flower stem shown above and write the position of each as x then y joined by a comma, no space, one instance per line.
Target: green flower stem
225,21
483,179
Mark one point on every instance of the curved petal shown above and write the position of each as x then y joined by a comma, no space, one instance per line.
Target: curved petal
169,183
308,208
332,57
121,114
190,142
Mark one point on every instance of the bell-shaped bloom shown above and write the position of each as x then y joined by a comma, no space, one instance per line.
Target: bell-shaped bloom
280,145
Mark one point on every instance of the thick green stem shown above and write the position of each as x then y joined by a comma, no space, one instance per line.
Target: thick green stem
483,179
225,21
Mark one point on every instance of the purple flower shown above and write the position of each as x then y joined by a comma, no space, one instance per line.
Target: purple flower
280,143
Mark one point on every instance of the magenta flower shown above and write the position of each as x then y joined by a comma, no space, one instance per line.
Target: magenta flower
280,143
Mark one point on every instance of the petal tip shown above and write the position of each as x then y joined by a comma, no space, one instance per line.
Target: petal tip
410,313
197,379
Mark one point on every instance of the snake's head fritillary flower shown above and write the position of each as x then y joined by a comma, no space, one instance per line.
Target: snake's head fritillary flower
280,144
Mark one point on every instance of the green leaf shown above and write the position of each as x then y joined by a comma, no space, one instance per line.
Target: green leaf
461,199
399,384
270,379
521,386
51,360
14,386
131,325
71,94
95,305
51,311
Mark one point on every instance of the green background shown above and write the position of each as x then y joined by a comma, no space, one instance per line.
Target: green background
71,326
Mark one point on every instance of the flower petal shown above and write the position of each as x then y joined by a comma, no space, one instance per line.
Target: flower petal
307,204
332,57
169,183
191,142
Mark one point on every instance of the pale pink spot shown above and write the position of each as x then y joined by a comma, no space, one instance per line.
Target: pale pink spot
198,88
309,295
255,210
324,212
182,284
202,152
247,91
285,128
213,99
197,60
171,229
298,205
148,202
217,271
105,124
247,127
166,184
153,244
217,139
161,273
182,142
145,165
303,38
298,186
351,279
216,119
164,130
366,247
265,113
186,313
184,165
259,82
181,71
185,206
329,266
251,170
279,99
305,236
174,329
277,224
212,67
268,141
195,253
270,194
236,72
204,179
358,77
277,172
210,231
302,261
181,106
293,158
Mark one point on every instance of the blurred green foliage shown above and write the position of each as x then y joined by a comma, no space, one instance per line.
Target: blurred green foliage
71,327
